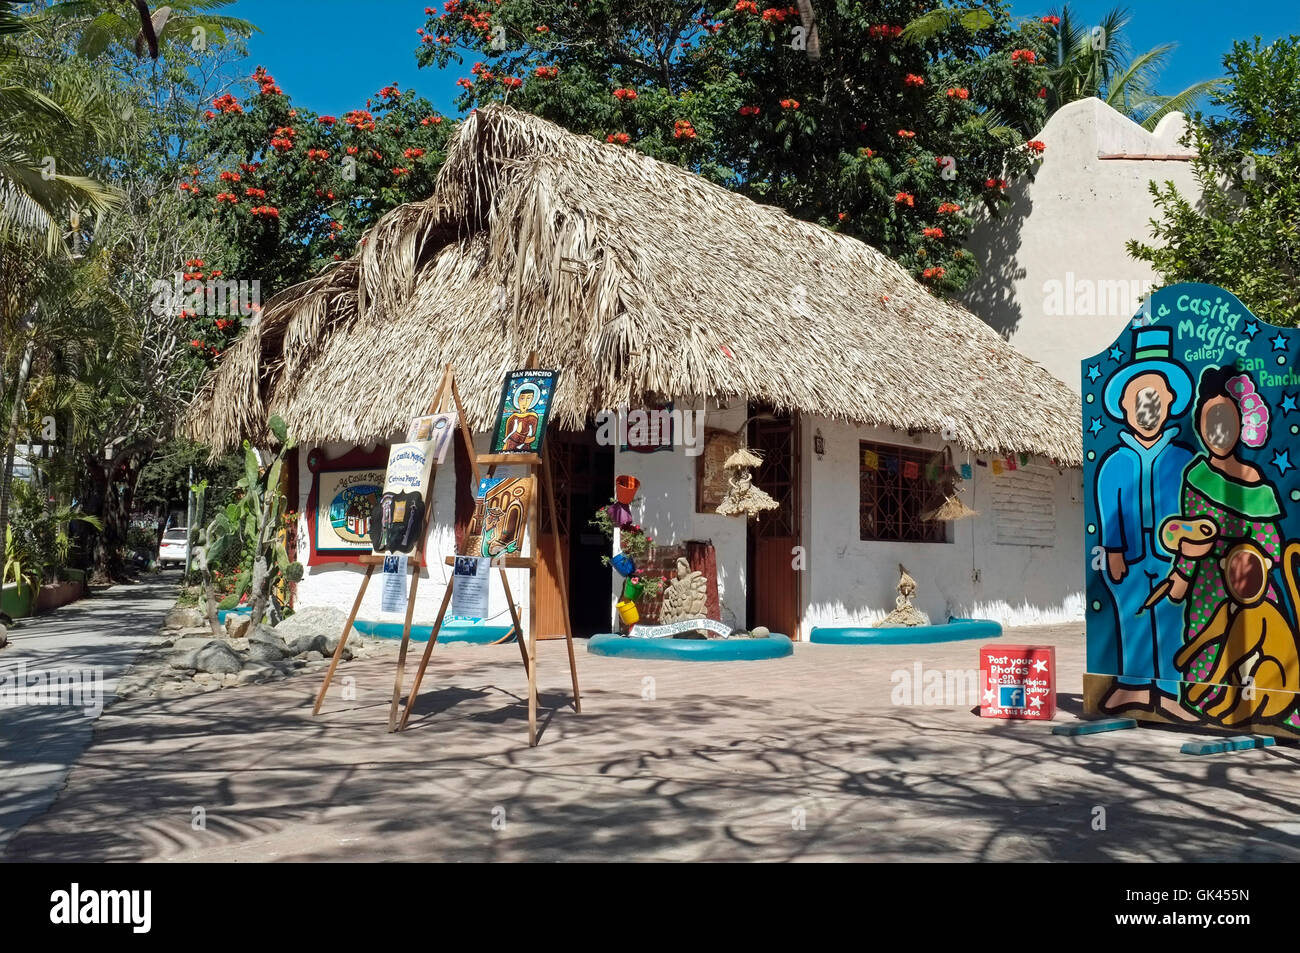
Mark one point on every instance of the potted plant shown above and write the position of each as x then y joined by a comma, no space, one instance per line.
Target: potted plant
625,488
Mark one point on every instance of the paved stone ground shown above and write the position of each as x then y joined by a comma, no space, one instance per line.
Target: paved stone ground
718,765
39,745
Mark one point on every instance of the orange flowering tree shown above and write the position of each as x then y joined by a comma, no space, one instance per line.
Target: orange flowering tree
941,113
294,190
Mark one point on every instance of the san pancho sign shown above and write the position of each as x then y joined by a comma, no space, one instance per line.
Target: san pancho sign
1191,436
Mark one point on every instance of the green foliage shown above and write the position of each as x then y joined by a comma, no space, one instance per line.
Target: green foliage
855,141
245,533
37,540
1095,60
1243,231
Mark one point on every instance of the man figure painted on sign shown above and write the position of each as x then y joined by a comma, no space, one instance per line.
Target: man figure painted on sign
1138,486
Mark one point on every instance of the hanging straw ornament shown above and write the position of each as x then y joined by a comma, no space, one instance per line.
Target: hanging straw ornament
952,508
743,498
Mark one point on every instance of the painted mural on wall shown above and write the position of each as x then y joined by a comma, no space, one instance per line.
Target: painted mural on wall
1191,429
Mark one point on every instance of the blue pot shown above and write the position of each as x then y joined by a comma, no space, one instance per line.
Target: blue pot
623,563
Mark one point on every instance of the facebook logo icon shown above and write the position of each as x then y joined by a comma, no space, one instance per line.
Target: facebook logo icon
1011,696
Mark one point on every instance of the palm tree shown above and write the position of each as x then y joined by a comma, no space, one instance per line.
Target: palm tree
1095,61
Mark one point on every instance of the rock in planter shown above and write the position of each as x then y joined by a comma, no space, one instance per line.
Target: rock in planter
179,618
219,659
313,620
311,643
264,633
314,657
237,626
266,652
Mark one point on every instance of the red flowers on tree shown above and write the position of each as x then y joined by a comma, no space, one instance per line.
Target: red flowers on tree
546,72
624,93
1035,145
947,208
746,6
1023,56
682,129
912,79
269,211
1050,20
906,134
958,92
513,82
905,198
936,271
789,104
884,32
932,232
227,104
749,110
621,138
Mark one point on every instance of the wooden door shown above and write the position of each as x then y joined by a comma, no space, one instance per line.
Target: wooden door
552,610
774,596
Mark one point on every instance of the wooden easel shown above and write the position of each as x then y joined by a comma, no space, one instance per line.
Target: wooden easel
448,389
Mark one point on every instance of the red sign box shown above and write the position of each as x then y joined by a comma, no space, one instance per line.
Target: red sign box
1018,681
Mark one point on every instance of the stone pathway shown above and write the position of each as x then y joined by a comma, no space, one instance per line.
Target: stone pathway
805,758
40,743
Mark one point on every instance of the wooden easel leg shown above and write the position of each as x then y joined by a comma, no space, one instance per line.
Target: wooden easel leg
532,682
428,652
514,617
560,577
401,654
338,651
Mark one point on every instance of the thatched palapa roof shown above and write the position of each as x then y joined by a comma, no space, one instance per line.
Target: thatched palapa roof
638,280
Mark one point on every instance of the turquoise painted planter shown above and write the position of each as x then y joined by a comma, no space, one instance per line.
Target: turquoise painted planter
955,630
691,650
451,632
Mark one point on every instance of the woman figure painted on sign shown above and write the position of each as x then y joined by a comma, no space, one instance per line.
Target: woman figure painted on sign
522,425
1233,494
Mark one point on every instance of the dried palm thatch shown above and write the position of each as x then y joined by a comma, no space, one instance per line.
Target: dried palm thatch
639,280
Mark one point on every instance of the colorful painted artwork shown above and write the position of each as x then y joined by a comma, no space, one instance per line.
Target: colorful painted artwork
525,406
345,501
1192,508
501,507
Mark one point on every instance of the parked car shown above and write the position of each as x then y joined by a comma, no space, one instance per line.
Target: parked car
172,550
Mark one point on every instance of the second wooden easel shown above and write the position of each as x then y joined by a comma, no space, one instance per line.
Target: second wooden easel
448,391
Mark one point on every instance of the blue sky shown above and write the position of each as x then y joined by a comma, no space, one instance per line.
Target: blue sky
329,55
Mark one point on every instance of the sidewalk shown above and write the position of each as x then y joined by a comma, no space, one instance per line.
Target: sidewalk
40,743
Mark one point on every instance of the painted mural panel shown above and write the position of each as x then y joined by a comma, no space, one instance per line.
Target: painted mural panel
1191,432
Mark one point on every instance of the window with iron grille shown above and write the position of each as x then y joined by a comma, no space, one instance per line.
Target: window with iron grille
896,487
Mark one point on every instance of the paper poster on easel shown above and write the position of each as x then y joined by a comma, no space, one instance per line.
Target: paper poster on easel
524,410
469,595
399,516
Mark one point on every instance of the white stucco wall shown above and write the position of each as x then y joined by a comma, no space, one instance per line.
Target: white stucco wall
850,581
1056,279
667,506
